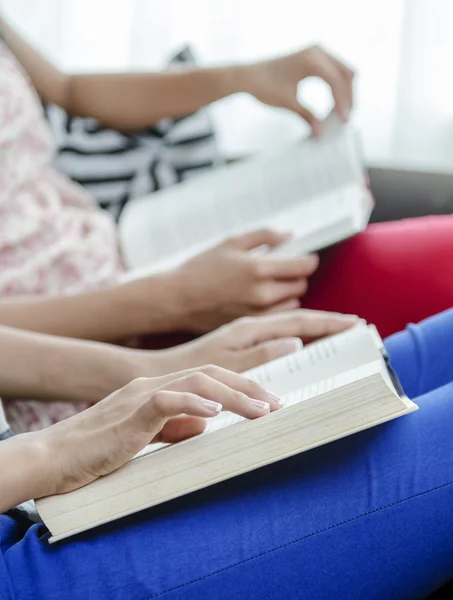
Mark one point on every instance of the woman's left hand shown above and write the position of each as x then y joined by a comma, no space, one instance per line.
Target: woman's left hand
275,81
102,438
251,341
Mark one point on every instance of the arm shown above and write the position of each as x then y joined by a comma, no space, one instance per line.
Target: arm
151,305
215,287
47,367
49,82
137,100
78,450
149,98
52,368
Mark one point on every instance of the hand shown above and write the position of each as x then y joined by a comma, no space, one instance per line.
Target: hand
252,341
104,437
229,281
275,81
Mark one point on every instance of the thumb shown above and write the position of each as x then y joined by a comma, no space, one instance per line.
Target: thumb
267,351
180,428
309,117
259,237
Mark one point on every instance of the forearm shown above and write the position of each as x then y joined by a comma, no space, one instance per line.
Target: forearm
136,100
52,368
124,100
49,81
152,305
22,470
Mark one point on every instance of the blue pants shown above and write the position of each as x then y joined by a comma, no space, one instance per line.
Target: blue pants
368,517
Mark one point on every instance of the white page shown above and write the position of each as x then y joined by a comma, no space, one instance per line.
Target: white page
189,217
323,220
319,361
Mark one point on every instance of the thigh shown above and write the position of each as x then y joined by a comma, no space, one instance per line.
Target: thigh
422,355
391,274
366,517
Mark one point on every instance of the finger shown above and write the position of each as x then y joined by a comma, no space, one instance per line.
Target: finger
348,75
267,351
307,116
163,405
287,268
166,403
286,305
180,428
344,68
252,331
317,323
235,392
268,294
232,380
327,70
259,237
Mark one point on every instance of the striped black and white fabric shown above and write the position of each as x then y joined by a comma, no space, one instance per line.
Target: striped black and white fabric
117,166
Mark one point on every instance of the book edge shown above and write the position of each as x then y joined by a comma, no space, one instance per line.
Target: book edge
408,408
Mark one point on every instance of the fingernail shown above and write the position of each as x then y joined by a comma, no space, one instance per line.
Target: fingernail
214,407
344,114
275,398
348,317
264,406
290,346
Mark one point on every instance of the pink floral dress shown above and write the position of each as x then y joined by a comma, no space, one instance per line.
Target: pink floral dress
53,240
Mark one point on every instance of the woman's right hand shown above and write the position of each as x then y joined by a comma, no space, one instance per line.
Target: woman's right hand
229,281
101,439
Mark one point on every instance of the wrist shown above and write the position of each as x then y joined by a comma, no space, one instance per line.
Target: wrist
232,79
146,363
197,297
110,368
156,304
243,75
25,467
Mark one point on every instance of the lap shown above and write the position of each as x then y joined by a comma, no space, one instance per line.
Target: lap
422,354
368,516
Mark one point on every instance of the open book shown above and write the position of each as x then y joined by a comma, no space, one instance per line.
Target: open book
314,189
331,389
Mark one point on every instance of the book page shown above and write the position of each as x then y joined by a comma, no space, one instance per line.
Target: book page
179,222
323,220
319,360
